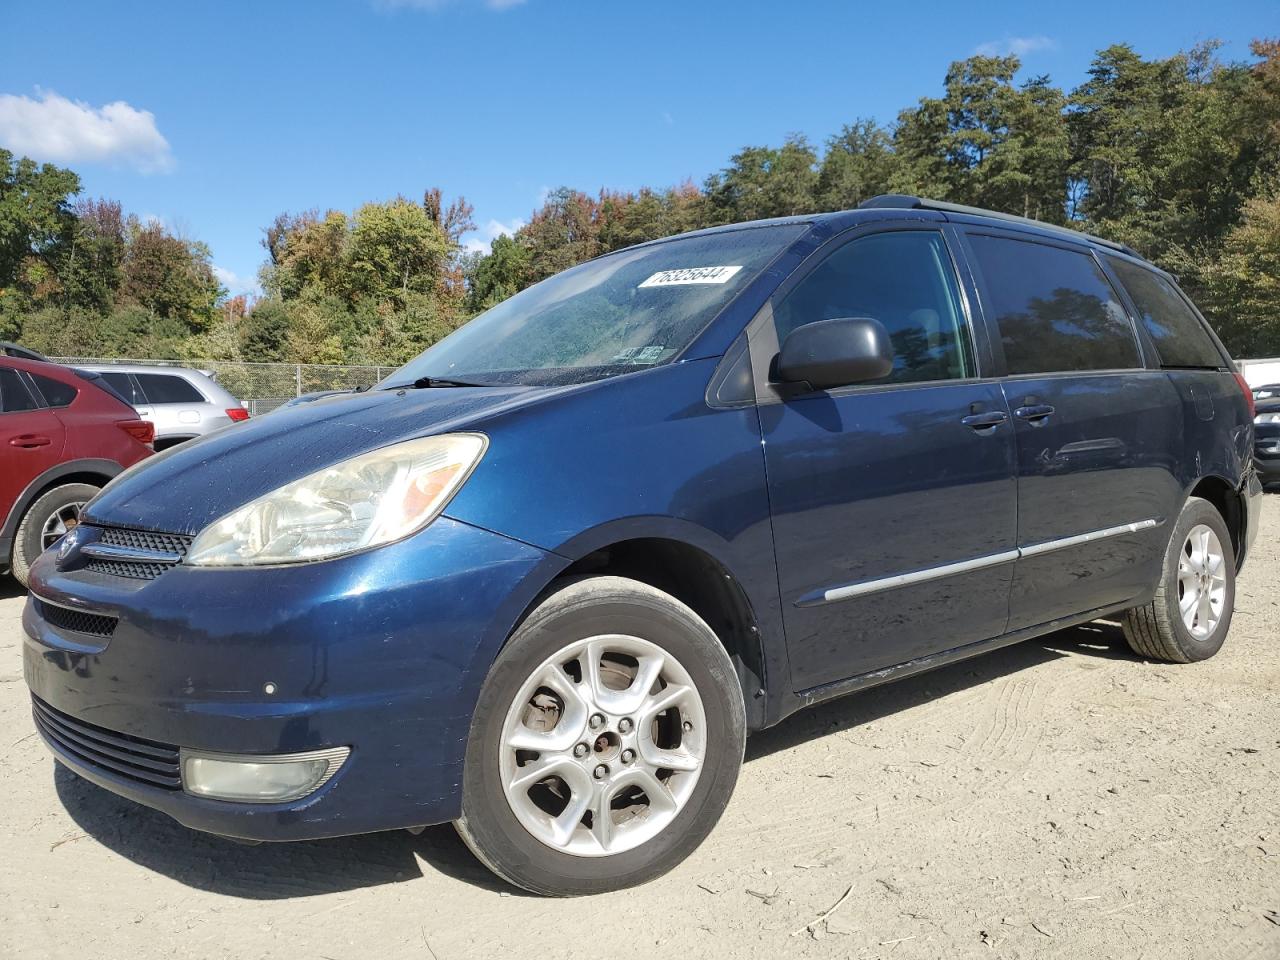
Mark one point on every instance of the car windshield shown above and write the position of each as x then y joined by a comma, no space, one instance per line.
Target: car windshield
636,308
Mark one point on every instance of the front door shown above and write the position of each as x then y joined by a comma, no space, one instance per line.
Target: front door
893,503
1095,430
31,438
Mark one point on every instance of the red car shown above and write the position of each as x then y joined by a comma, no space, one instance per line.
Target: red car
63,434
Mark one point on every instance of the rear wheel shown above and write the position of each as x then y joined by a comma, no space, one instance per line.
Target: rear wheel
606,743
53,514
1190,615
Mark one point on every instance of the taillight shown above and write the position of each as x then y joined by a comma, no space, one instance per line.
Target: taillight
144,431
1248,394
238,413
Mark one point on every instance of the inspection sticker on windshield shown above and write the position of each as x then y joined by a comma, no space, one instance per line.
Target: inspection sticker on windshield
676,278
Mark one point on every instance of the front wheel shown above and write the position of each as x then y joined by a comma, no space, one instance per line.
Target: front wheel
1190,615
606,742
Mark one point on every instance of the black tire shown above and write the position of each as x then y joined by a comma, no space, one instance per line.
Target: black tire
28,539
582,609
1156,630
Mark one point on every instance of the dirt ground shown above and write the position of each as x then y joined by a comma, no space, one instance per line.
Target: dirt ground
1057,799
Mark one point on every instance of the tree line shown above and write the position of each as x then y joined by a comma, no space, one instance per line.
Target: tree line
1177,157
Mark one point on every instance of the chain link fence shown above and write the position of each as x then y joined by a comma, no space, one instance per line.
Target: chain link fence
260,386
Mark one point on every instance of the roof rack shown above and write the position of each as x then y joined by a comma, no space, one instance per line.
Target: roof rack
903,201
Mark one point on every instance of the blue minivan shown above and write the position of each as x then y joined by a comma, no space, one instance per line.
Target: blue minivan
543,580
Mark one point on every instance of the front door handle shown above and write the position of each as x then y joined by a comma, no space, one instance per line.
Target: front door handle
28,440
1034,413
982,422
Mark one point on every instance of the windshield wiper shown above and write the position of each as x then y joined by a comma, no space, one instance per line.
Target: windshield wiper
424,383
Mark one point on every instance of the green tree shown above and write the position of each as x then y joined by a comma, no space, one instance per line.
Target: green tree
264,332
859,163
1242,286
496,276
395,249
36,222
91,266
765,182
988,141
171,278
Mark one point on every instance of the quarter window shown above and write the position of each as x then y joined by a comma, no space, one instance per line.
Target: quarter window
1180,339
1054,308
56,393
163,388
905,280
122,383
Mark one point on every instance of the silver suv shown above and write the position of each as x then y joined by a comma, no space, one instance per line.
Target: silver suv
183,404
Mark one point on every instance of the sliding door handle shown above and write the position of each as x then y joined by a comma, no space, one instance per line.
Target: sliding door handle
1034,413
985,422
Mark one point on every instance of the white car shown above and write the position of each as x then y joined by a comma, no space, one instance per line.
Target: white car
182,403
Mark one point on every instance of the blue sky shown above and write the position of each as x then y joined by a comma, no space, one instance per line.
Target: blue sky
216,117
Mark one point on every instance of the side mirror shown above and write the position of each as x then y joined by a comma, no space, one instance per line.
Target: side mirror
836,353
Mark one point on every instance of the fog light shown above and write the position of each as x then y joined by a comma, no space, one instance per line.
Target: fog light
259,779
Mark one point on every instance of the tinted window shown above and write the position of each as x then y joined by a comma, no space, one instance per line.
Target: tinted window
163,388
903,279
1180,338
56,393
1054,307
13,392
122,383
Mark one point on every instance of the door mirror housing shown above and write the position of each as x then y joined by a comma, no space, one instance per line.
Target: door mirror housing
836,353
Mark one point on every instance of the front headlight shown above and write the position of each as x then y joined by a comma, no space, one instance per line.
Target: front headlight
1267,418
375,498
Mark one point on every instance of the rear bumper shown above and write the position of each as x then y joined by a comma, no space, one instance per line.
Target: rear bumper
382,652
1252,495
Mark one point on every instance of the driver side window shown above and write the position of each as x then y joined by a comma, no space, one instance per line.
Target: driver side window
905,280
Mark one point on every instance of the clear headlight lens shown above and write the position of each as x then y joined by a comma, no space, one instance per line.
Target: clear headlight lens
375,498
1267,418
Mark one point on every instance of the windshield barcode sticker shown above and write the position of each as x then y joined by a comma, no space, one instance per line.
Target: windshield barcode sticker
675,278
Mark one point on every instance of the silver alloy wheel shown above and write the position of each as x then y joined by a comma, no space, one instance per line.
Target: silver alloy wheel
602,745
1202,581
62,520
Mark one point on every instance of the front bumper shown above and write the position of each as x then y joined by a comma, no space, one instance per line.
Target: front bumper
383,652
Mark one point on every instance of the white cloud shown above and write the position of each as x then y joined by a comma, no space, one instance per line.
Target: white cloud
1018,46
440,4
54,128
484,236
234,283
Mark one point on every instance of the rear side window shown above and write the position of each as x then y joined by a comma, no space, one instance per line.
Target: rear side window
122,383
56,393
163,388
1180,339
1054,308
14,396
905,280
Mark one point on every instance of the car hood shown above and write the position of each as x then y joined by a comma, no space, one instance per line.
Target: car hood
187,487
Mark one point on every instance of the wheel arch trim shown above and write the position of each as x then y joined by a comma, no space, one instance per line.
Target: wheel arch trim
764,661
103,469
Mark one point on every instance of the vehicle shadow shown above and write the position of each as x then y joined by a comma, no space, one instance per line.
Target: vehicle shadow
268,871
312,868
10,588
1097,639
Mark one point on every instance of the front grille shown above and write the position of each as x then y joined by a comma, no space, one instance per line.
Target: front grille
76,621
143,761
137,540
